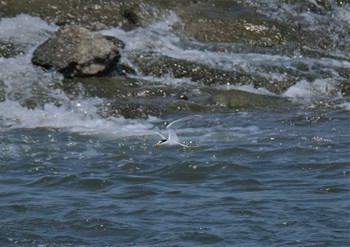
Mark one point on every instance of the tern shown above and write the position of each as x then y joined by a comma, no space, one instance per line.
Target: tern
172,138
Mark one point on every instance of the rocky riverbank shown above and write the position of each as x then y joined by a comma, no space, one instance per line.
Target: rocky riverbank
225,27
211,21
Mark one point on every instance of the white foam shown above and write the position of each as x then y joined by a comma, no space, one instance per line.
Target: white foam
22,80
304,91
76,116
343,13
25,30
18,74
344,106
167,79
152,37
247,88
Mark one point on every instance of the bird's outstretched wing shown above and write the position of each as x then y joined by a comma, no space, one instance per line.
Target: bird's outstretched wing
157,131
177,123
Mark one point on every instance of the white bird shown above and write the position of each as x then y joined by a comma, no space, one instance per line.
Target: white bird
172,139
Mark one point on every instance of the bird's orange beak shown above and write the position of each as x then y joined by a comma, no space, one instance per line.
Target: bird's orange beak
157,145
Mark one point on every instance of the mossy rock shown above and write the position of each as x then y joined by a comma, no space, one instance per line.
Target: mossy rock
241,99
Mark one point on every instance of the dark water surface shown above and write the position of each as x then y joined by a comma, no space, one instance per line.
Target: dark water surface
257,178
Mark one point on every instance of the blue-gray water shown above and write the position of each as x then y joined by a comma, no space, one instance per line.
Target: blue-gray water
258,178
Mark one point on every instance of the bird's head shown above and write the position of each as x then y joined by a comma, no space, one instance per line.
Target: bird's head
159,143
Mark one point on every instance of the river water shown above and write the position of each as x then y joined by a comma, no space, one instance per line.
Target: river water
255,177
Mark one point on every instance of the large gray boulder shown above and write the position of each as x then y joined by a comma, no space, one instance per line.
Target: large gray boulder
76,52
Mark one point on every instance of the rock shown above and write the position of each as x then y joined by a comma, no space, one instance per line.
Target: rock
124,88
153,64
242,99
345,88
76,52
7,49
229,21
2,91
94,15
204,20
134,98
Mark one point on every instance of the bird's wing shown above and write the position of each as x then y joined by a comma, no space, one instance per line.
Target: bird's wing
160,134
179,122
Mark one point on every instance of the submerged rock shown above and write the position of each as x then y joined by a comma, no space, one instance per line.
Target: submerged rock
130,97
153,64
158,65
242,99
76,52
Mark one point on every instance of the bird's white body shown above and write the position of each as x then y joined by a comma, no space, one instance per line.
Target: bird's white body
172,138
